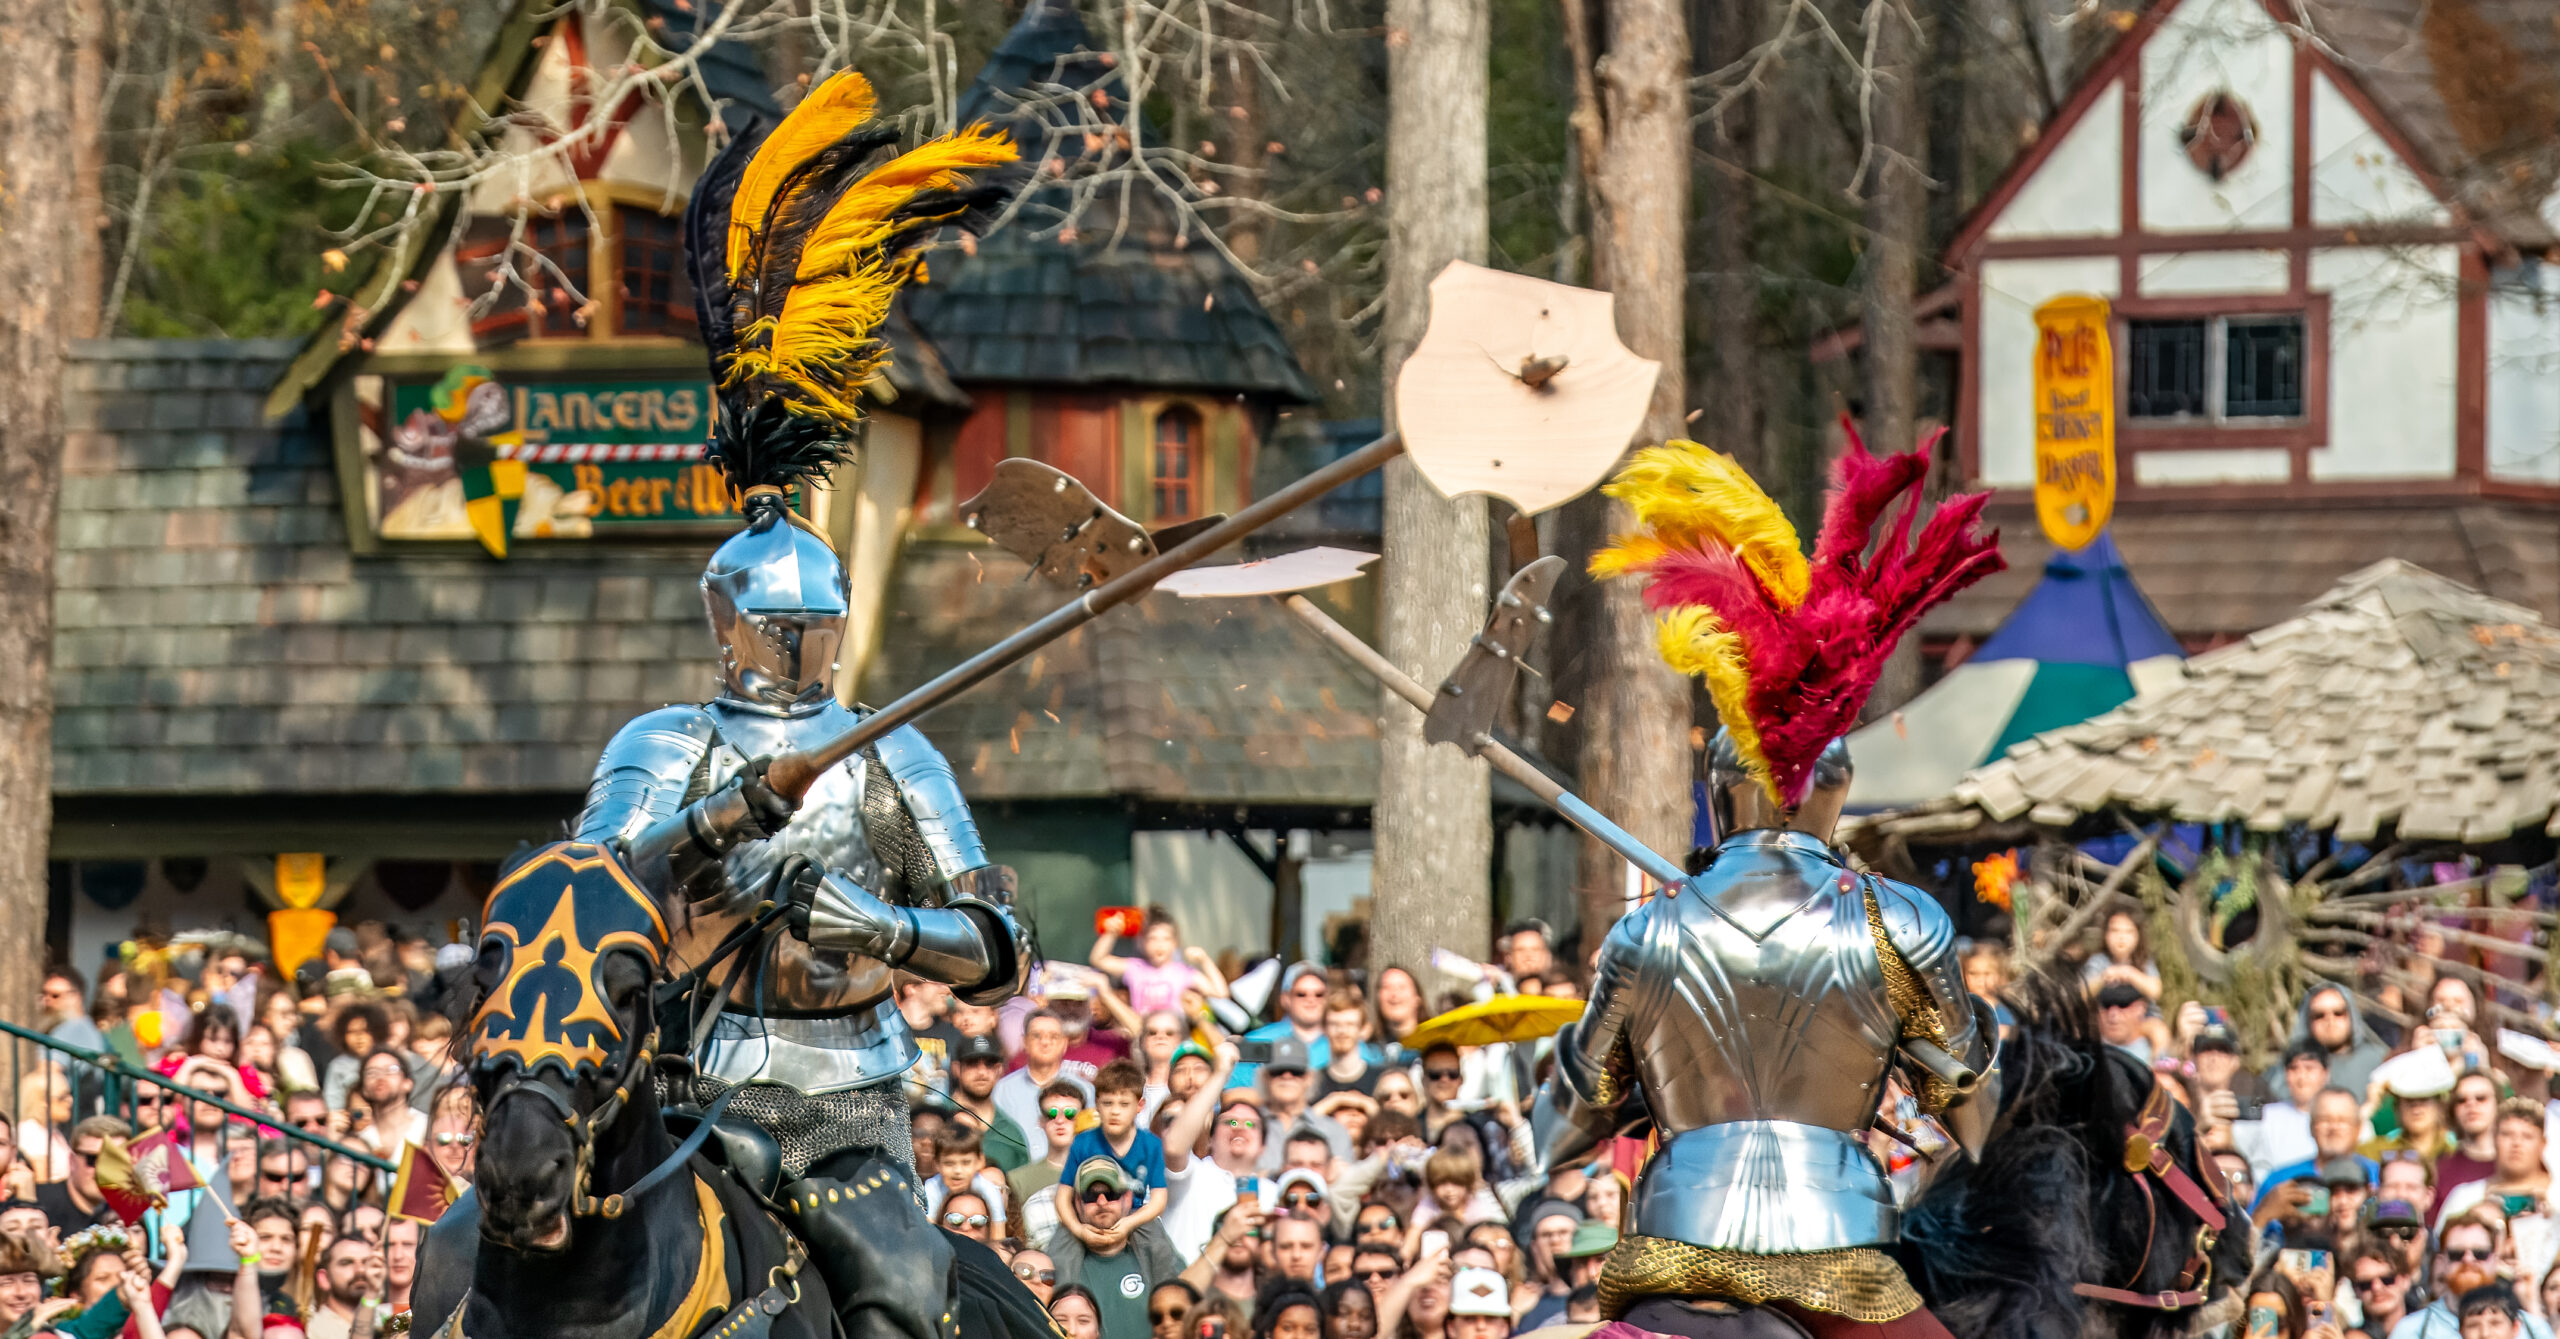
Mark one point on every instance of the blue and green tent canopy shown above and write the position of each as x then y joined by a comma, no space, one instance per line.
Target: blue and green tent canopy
2074,647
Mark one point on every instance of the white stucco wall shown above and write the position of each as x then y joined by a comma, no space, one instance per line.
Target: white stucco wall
2011,292
436,318
2255,465
2078,191
1216,895
2215,272
2207,47
2392,332
2355,175
2524,375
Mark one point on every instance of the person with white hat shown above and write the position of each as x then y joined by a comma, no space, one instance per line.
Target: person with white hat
1479,1305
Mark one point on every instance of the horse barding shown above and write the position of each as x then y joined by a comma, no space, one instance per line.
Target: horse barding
596,1212
2092,1210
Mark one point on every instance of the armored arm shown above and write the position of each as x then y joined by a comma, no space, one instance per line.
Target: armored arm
1929,993
1593,1093
652,795
972,942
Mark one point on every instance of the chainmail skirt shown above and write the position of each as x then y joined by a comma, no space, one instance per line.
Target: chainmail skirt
809,1126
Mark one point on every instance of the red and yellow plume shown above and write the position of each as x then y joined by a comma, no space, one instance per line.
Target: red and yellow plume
797,239
1788,647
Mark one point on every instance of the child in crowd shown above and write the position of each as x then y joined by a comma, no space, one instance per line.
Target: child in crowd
1118,1091
1169,968
960,1161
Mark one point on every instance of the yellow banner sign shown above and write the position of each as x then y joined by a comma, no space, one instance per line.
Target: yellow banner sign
301,878
2075,389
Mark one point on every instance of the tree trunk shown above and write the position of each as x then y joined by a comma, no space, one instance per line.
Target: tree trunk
36,162
1732,287
1897,205
89,153
1635,760
1434,818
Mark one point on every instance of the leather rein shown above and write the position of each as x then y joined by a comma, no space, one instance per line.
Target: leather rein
2146,1159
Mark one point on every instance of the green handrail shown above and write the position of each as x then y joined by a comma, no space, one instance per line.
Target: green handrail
117,1065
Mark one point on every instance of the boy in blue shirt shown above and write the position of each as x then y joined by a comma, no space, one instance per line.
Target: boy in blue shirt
1118,1091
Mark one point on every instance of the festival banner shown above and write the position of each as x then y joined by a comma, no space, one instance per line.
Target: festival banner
2075,388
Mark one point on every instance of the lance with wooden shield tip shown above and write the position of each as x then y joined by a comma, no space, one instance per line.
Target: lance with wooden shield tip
1519,389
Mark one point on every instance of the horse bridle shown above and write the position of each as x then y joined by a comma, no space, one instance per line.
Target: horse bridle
2146,1159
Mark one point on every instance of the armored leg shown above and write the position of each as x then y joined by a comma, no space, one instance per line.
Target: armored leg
890,1271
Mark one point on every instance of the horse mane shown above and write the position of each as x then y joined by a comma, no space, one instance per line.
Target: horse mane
2000,1241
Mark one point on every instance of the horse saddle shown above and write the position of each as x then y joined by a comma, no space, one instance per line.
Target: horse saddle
1716,1318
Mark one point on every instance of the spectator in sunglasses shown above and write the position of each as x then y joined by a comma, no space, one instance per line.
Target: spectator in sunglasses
1037,1271
75,1203
966,1214
1061,1109
2381,1288
1168,1307
2330,1021
2466,1260
1118,1265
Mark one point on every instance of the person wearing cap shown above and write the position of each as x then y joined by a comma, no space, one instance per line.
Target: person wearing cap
1577,1266
1285,1079
1119,1266
1303,992
2395,1230
2122,1012
2348,1189
1118,1091
1479,1305
976,1065
2517,1182
2422,1102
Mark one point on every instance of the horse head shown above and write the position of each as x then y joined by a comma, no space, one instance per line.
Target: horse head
561,1039
2054,1230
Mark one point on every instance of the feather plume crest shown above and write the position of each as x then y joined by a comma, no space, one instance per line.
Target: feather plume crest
831,111
1789,661
1687,496
798,240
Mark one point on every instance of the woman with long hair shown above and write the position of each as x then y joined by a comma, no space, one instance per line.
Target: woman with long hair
208,1058
2124,955
44,1118
1604,1200
1349,1311
1397,1002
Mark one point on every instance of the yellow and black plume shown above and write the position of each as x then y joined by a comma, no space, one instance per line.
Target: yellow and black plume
797,239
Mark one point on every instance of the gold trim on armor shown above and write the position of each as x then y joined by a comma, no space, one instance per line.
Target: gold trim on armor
1860,1283
1911,1001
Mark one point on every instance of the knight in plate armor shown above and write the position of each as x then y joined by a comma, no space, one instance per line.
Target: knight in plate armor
789,292
1754,1015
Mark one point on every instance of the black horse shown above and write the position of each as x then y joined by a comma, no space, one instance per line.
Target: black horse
2013,1246
595,1214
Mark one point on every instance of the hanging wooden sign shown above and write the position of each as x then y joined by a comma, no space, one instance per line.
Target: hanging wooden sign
2075,390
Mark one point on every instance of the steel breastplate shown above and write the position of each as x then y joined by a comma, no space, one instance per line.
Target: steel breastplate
1761,1031
815,1055
797,979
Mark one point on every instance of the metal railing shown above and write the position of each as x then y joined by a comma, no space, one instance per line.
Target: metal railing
120,1081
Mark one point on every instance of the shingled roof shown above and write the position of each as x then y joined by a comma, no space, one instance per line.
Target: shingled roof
2397,702
2474,84
1100,300
1172,701
215,636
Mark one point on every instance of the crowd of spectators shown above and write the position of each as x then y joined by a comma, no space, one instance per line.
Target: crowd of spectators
2415,1154
1164,1150
284,1240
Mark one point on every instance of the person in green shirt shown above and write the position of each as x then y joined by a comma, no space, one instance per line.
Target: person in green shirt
976,1064
1119,1268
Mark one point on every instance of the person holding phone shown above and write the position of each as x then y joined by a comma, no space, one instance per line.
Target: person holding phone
2517,1183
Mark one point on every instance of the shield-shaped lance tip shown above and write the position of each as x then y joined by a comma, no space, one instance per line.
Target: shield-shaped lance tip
1048,519
1519,389
1462,712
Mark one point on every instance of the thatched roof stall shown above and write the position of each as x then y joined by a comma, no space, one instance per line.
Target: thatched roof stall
2365,791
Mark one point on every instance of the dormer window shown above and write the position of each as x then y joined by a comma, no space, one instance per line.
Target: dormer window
2215,368
1177,464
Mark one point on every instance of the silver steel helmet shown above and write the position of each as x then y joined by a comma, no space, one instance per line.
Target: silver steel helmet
776,595
1740,804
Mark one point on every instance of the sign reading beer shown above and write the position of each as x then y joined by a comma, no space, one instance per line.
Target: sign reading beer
2075,389
472,455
